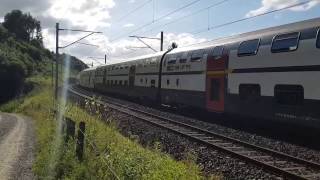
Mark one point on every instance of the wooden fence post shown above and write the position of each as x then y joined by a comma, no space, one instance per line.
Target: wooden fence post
70,129
80,141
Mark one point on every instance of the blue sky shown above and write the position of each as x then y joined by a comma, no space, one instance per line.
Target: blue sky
112,18
229,11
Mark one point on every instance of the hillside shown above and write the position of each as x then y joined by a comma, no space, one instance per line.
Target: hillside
22,54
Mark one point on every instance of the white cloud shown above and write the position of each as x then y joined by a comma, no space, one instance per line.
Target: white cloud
120,51
88,13
1,19
268,5
128,25
91,15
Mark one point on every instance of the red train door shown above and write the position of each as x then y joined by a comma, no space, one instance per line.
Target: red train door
215,93
215,85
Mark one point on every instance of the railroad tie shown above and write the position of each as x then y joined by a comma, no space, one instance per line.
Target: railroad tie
245,152
293,168
276,162
214,141
235,147
196,134
207,138
223,144
311,176
260,157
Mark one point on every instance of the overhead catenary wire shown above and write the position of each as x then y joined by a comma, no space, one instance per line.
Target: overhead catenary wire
134,10
156,20
244,19
188,15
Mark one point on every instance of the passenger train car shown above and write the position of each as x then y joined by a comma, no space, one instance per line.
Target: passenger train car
272,73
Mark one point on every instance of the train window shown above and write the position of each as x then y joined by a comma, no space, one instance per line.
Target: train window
177,82
170,68
126,83
289,94
285,42
141,80
318,39
153,83
248,48
183,57
215,90
146,81
196,56
218,52
111,82
249,92
182,60
172,61
153,61
168,81
115,82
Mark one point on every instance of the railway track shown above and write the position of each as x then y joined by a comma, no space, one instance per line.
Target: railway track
277,162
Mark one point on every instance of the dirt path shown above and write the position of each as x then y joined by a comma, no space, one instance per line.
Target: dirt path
16,147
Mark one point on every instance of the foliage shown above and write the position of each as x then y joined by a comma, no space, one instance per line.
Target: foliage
22,54
108,155
24,26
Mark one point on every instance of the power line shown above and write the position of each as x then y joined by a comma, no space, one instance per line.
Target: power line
191,14
134,10
124,55
178,9
244,19
156,20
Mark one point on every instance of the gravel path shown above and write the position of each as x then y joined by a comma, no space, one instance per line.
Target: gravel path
16,147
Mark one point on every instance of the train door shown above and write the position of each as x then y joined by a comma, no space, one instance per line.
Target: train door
215,85
104,76
215,93
132,74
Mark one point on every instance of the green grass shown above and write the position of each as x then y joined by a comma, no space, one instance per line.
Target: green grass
118,156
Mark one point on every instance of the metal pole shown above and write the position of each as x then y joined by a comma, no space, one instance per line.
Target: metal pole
57,57
105,59
52,74
161,41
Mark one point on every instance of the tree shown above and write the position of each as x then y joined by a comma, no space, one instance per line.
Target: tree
23,25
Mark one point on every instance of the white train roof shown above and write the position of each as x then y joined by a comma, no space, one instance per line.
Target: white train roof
90,69
253,34
235,38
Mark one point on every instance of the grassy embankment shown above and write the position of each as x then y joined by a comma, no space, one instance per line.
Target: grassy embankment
119,156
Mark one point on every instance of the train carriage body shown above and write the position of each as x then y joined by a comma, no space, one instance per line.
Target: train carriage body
267,74
87,78
137,78
183,78
274,73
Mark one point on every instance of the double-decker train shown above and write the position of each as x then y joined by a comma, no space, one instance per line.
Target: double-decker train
272,73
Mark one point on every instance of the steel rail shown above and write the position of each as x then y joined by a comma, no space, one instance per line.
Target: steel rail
218,141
